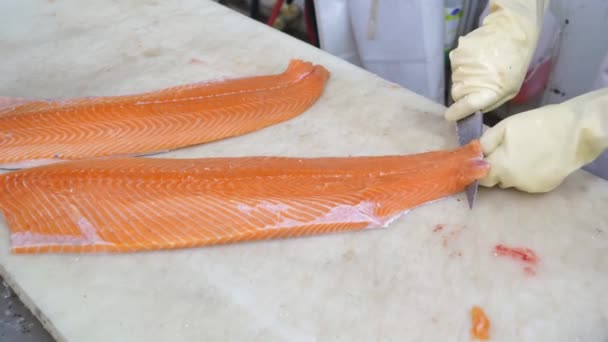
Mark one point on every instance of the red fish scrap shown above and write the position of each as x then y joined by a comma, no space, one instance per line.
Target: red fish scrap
522,254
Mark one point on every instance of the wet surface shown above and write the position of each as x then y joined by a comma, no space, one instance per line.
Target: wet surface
17,324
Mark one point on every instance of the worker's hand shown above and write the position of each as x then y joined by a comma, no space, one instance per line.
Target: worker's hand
490,63
535,151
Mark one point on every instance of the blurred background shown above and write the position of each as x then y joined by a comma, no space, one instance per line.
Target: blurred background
566,62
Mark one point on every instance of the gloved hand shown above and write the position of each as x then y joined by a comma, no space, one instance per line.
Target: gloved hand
535,151
490,63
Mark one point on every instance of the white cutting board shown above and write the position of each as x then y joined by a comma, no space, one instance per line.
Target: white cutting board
402,283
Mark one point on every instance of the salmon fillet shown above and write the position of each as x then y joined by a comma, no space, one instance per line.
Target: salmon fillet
135,204
34,133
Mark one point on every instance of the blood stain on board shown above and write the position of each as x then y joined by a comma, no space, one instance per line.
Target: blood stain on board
447,235
521,254
195,61
455,254
529,271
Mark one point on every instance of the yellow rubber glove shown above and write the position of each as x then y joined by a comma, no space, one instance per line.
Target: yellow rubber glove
490,63
535,151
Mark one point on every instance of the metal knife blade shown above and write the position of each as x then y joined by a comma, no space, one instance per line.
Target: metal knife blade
468,129
599,166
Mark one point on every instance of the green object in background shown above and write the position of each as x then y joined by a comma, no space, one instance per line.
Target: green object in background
452,15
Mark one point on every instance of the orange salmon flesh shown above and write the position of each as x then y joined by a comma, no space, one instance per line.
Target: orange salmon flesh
128,204
40,132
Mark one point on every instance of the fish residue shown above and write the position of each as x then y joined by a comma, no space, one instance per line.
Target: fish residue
522,254
480,324
195,61
518,253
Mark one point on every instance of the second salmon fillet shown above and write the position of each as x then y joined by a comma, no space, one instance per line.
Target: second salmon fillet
34,133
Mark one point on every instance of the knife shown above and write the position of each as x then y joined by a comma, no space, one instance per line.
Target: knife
599,166
468,129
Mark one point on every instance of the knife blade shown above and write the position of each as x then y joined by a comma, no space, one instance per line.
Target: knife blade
468,129
599,166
